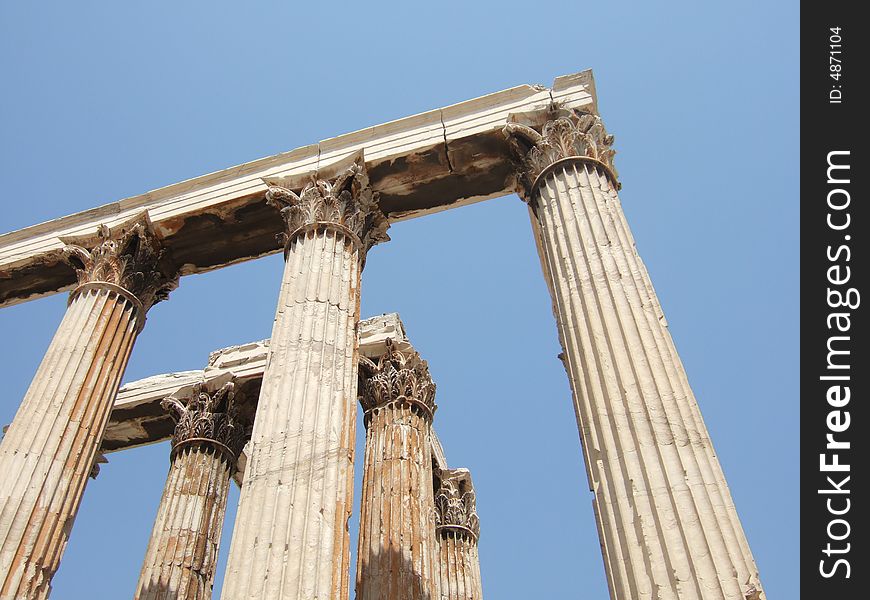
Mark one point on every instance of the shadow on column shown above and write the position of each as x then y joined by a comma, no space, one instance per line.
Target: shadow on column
395,577
164,591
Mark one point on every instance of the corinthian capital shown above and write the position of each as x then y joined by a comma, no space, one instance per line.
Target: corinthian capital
131,258
456,503
345,203
397,377
207,417
567,134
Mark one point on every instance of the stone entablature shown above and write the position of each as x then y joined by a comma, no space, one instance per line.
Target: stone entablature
419,165
138,419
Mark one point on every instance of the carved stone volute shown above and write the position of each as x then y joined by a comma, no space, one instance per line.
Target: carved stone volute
566,134
397,377
345,203
208,417
131,258
456,503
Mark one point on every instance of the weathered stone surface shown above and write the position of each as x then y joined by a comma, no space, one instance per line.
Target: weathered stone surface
669,529
290,539
396,558
421,164
182,552
457,531
51,446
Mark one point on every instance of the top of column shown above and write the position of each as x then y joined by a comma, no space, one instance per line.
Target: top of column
130,259
568,134
456,503
207,414
398,376
344,203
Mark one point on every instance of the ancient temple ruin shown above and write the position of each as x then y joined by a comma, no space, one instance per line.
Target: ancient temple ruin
279,416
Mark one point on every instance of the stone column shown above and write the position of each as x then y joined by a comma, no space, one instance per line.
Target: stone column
396,554
183,549
457,529
47,454
291,539
668,525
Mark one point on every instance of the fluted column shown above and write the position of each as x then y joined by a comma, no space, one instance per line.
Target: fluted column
668,525
396,554
291,538
457,529
47,454
183,549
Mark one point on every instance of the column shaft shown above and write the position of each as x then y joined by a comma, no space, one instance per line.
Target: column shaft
396,559
48,452
458,567
458,529
668,522
182,553
291,536
668,525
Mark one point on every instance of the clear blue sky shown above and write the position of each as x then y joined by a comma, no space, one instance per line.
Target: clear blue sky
100,101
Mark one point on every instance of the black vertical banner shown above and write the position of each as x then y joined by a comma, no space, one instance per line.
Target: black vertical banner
835,362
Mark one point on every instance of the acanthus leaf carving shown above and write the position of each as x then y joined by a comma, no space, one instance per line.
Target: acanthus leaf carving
566,134
347,201
205,416
131,258
456,503
397,376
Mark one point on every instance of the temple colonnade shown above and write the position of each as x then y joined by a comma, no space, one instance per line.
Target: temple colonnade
667,523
